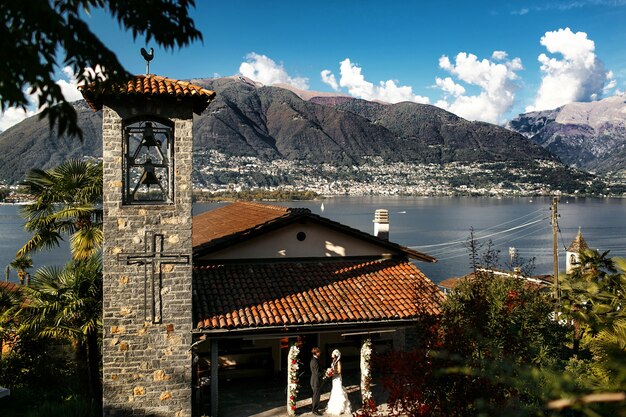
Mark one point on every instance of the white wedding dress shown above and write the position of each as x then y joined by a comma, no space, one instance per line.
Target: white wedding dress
338,402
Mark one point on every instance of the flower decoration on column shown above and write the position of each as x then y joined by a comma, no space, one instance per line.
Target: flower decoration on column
368,404
292,380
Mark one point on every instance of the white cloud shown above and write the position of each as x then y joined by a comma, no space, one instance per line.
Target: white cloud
449,86
499,55
563,6
13,116
497,82
521,12
611,82
329,78
387,91
69,88
578,76
262,69
90,74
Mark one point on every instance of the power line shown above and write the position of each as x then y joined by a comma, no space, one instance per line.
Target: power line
477,236
479,232
442,253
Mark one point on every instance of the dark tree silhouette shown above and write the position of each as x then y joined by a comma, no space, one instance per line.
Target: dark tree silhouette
45,35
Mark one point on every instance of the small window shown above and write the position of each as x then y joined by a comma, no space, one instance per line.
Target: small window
301,236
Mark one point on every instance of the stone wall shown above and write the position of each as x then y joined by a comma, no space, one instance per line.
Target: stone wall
146,365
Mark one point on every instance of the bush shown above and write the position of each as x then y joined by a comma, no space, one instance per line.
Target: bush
19,406
37,370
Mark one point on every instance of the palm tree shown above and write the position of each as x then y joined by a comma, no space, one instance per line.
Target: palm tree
21,264
593,294
67,304
593,266
67,203
10,301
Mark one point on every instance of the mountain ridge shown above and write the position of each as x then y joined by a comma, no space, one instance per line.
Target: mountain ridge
590,135
247,119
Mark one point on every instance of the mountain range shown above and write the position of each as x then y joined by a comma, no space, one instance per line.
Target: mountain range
281,122
590,136
250,119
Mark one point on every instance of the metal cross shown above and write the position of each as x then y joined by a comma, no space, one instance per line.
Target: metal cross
152,259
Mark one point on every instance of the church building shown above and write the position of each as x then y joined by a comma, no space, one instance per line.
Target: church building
267,276
185,307
572,253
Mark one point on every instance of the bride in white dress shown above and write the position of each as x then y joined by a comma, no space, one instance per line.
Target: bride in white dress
338,402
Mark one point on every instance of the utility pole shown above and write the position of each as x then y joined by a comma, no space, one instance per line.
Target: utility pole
555,216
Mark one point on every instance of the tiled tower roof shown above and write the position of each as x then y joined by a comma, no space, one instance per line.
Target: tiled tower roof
578,244
151,86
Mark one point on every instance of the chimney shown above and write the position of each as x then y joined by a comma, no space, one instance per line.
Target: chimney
381,224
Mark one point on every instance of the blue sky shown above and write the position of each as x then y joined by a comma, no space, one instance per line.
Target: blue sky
483,60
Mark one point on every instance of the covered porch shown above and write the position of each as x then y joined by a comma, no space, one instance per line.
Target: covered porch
251,376
266,398
250,315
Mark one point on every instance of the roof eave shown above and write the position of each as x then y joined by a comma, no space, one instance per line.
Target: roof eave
95,94
361,326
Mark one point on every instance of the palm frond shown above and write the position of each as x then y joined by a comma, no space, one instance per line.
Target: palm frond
86,241
67,199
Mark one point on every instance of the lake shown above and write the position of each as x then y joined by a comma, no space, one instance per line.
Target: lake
438,226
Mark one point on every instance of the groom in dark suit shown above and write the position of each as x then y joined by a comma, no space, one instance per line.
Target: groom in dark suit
315,381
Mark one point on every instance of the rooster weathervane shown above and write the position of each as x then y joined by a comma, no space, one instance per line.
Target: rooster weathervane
148,57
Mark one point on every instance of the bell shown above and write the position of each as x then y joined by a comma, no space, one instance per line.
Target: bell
148,136
149,177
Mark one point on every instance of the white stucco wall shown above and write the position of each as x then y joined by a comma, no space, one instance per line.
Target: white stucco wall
319,241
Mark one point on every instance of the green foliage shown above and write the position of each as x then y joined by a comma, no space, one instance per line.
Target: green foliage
21,264
494,351
66,305
30,366
594,299
47,35
67,203
26,403
501,318
10,301
495,331
72,407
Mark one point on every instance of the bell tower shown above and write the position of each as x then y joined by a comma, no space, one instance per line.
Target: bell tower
147,318
572,254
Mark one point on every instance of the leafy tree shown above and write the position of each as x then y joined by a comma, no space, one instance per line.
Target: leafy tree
66,304
594,298
495,330
496,349
45,35
480,357
21,264
593,295
67,202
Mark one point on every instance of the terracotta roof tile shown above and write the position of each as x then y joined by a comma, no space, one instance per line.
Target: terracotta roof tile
578,244
292,294
9,287
150,86
234,218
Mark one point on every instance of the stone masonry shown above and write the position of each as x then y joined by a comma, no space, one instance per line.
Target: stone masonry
146,366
